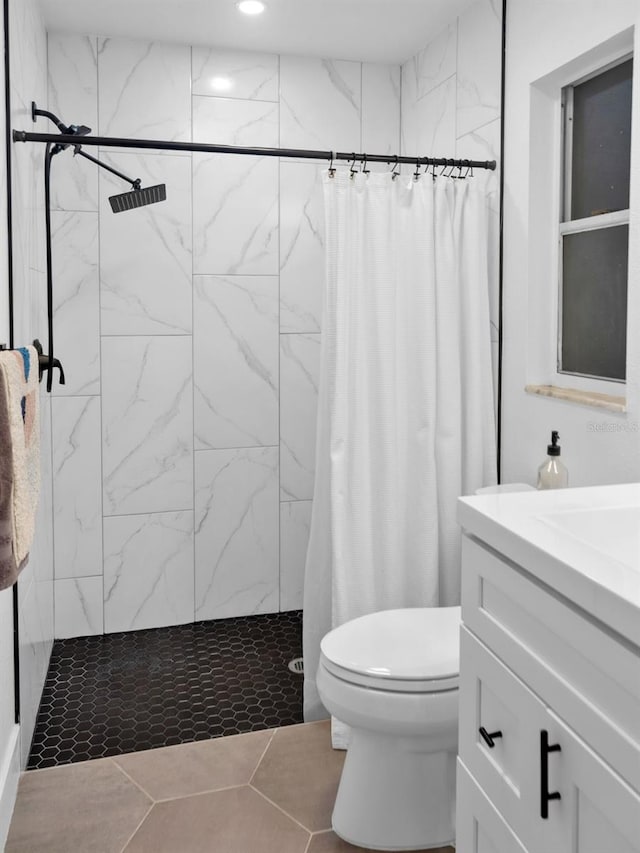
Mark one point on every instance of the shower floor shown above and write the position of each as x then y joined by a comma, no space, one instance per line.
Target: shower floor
138,690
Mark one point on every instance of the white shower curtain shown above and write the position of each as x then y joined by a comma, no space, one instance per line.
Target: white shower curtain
405,408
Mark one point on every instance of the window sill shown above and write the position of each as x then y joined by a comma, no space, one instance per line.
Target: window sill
583,398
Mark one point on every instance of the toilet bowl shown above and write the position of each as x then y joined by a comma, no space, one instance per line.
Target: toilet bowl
392,676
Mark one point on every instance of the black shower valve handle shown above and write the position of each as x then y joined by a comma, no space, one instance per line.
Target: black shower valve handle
46,366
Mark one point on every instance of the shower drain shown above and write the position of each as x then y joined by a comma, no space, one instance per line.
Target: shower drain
297,665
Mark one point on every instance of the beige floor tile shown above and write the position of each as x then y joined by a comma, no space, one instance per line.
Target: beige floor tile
300,772
85,808
237,820
328,842
192,768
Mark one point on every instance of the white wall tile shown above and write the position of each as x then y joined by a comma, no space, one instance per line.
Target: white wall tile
479,63
236,541
319,103
244,74
301,247
225,121
76,300
144,89
295,524
235,215
432,65
484,144
145,261
78,607
148,571
299,372
73,97
147,424
380,109
436,122
77,487
236,361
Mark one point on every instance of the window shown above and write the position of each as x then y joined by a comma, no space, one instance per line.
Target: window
594,231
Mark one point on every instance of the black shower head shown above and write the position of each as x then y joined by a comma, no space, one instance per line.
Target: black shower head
138,197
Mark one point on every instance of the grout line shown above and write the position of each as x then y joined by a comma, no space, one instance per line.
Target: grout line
202,793
264,752
130,838
280,809
112,759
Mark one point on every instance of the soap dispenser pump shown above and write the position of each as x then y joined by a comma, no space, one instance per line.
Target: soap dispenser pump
552,474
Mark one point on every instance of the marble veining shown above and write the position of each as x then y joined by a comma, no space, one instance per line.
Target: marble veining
236,361
76,301
235,73
301,247
225,121
299,373
145,269
148,571
331,118
78,607
295,525
77,487
235,215
144,89
73,90
380,110
479,63
147,428
236,533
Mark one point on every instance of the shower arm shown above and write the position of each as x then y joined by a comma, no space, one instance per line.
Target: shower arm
135,183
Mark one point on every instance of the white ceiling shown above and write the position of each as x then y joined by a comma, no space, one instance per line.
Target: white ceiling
366,30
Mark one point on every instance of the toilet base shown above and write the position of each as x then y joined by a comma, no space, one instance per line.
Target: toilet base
393,795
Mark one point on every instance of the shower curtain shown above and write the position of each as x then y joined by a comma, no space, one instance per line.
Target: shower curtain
405,410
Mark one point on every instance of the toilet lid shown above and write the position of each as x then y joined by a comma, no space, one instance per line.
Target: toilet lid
420,644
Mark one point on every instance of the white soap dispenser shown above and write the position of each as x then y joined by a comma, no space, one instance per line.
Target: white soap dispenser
552,474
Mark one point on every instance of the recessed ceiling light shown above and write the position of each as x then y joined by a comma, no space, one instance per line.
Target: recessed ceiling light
251,7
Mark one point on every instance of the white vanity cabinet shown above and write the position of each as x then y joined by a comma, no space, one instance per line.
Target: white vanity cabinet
549,748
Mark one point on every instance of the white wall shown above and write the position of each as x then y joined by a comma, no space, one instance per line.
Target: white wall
598,447
451,108
35,587
189,331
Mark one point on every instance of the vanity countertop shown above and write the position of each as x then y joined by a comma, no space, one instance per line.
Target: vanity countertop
583,543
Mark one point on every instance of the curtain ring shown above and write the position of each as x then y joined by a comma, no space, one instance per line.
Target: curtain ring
395,172
363,168
352,168
416,174
332,170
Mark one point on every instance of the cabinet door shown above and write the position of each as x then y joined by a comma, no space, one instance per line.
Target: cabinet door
597,810
480,828
494,700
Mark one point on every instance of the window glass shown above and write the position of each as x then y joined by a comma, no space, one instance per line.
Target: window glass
601,142
594,302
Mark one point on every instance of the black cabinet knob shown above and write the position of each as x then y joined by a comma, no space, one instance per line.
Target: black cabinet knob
489,737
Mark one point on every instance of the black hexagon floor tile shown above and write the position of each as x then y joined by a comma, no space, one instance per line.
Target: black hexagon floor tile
139,690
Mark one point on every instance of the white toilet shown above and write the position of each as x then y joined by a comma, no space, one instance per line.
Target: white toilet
392,677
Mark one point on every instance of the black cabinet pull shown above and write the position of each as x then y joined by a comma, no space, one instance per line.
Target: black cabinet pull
545,794
487,737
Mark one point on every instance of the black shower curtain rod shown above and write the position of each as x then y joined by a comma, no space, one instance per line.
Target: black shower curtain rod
206,148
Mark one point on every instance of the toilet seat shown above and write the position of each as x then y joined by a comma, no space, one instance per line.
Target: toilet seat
411,650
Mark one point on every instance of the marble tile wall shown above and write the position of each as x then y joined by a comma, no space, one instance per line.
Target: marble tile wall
28,82
184,441
451,107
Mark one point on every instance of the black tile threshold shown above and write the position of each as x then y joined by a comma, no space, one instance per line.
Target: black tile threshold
137,690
